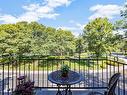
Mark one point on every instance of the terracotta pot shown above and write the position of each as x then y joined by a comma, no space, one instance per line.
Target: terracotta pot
65,74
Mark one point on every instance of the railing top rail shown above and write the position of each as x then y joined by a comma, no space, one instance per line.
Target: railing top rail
118,62
63,59
75,59
9,62
36,57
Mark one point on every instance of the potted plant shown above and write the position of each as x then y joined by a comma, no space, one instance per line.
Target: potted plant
64,70
24,87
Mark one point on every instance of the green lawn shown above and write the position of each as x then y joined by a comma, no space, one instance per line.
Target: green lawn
55,65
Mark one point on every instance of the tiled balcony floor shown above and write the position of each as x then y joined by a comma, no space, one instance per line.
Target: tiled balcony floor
53,92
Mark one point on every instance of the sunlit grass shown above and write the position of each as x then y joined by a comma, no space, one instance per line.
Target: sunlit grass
44,65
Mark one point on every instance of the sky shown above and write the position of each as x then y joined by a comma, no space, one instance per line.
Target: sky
66,14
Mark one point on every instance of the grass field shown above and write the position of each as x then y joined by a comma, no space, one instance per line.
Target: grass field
54,65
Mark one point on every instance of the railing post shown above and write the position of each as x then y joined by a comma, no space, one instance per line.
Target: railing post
2,78
124,80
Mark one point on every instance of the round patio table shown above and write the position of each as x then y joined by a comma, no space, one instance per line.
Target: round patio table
73,78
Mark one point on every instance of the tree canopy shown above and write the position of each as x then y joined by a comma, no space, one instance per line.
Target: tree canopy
35,38
99,36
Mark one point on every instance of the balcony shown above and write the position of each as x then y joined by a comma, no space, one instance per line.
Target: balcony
95,71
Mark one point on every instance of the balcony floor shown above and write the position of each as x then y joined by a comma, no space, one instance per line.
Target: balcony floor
53,92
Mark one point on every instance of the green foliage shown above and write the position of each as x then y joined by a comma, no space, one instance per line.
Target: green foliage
34,38
122,26
56,57
64,43
124,11
80,46
99,36
119,24
65,68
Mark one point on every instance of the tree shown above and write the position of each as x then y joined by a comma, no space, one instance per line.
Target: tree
124,19
24,38
8,34
63,42
98,35
80,45
121,25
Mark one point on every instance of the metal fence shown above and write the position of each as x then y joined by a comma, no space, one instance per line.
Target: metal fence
95,71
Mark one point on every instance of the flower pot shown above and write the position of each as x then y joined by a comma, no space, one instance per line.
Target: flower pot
64,74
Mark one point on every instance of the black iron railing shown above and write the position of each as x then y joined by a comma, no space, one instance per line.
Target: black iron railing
95,71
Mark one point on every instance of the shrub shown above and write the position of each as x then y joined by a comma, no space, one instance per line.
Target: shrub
56,57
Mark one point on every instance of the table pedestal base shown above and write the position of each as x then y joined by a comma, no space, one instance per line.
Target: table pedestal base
58,92
67,90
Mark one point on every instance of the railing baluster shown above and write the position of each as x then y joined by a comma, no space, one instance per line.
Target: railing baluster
33,62
93,72
79,67
114,66
8,78
12,75
88,73
52,68
110,69
98,80
84,74
124,80
38,71
16,72
3,84
102,73
47,70
75,62
43,72
29,69
24,66
107,75
118,81
19,68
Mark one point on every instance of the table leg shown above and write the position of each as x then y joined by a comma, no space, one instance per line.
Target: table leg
68,90
58,92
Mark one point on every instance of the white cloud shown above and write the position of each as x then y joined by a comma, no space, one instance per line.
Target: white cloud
108,11
80,26
76,28
67,28
77,24
73,29
31,7
57,3
35,12
8,18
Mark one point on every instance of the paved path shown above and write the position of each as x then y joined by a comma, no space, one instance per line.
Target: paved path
120,56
